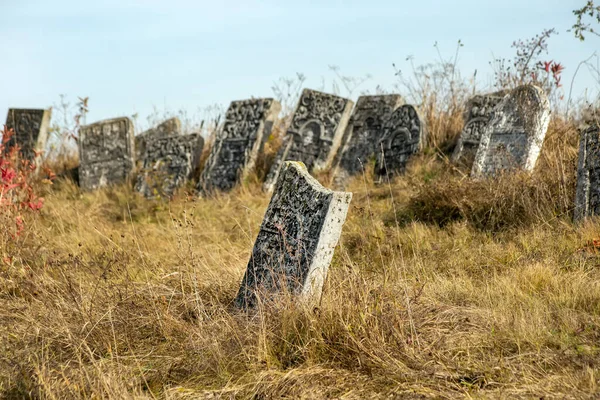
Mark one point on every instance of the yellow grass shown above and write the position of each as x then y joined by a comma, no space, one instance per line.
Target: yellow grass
112,296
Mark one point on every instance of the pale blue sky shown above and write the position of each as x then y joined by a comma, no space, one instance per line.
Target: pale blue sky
129,56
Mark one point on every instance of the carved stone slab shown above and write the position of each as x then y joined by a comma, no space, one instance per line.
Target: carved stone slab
316,131
106,151
363,133
587,197
247,126
31,130
296,240
170,127
404,135
477,115
513,138
168,162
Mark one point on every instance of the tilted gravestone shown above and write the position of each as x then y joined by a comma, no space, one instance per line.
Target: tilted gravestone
247,126
297,238
170,127
587,197
106,152
168,162
513,138
30,130
477,115
404,135
363,133
315,133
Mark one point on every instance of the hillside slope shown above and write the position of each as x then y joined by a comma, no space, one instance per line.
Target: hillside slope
440,287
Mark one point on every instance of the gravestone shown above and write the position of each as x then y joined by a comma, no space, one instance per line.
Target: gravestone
298,235
31,130
247,126
170,127
477,115
404,135
513,138
106,150
315,133
362,134
587,197
168,162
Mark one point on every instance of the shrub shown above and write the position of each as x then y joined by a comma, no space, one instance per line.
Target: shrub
507,201
17,194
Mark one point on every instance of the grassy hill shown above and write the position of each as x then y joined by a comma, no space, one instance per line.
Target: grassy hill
440,287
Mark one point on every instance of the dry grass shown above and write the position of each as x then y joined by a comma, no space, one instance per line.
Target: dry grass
445,194
494,294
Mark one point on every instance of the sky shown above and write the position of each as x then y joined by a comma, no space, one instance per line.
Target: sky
135,57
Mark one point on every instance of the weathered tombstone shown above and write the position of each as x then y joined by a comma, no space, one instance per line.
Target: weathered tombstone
362,134
316,132
477,115
587,197
31,130
298,235
404,135
168,162
170,127
106,150
513,138
247,126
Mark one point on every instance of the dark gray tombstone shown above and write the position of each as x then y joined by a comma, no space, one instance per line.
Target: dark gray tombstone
168,163
587,197
106,152
477,115
513,138
296,240
247,126
316,133
404,135
363,133
170,127
30,130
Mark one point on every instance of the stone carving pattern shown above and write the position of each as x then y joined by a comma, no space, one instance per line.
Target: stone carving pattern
168,163
170,127
247,126
314,126
364,132
316,130
513,138
477,116
300,229
105,153
404,135
30,127
587,198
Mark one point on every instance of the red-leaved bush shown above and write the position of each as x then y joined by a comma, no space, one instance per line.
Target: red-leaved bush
17,195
